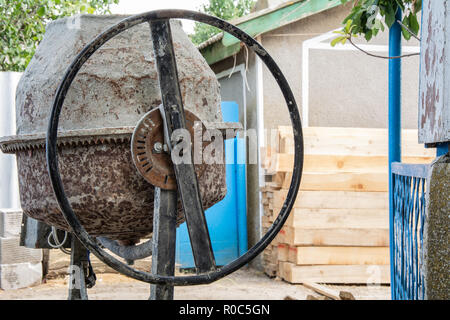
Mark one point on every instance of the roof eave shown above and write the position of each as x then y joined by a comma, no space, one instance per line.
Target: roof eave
260,22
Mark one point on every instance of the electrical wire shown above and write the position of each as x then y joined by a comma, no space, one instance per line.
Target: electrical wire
57,244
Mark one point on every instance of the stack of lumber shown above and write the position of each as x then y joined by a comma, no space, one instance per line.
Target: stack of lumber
338,230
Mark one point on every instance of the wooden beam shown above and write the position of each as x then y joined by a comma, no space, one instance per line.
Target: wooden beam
334,199
282,252
352,237
284,162
338,255
336,218
352,274
361,182
327,292
351,141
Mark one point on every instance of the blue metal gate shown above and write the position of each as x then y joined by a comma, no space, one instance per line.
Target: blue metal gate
409,218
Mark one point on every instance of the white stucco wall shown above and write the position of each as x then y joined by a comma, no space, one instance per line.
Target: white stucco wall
9,190
344,87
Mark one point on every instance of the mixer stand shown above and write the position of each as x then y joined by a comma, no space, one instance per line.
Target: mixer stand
82,276
164,235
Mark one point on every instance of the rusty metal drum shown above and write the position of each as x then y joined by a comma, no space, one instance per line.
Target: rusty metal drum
115,88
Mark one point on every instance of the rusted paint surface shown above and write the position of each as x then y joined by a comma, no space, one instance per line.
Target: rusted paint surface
107,193
112,91
434,101
157,167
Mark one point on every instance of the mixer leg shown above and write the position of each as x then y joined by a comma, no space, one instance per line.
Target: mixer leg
164,240
79,262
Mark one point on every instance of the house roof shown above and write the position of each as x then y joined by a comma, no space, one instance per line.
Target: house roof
224,45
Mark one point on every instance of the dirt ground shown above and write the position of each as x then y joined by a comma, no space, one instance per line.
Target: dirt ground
244,284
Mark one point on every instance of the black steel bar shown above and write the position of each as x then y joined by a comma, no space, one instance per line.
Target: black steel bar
52,139
164,241
134,252
79,263
187,182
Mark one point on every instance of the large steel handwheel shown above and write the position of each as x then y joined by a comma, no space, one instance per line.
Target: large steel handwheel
174,117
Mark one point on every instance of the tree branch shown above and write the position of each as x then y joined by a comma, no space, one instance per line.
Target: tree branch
409,30
382,57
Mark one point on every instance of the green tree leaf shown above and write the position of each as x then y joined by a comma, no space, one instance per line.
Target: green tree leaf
22,25
405,31
224,9
41,11
414,24
361,20
335,41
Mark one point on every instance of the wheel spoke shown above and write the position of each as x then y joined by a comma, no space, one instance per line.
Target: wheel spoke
174,118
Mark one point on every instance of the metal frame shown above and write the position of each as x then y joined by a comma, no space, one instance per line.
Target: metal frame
407,230
52,135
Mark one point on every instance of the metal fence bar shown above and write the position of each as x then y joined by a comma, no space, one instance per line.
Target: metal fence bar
409,181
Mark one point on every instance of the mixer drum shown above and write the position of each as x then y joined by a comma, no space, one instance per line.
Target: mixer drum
110,94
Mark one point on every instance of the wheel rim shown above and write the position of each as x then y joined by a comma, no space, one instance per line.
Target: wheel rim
52,160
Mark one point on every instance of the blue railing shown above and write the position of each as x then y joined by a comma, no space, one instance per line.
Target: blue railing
409,218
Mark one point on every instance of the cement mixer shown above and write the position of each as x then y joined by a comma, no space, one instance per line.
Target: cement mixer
106,118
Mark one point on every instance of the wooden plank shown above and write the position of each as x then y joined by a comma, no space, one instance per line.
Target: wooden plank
335,199
327,292
338,255
277,180
367,237
362,182
349,274
282,252
354,141
271,269
286,145
266,156
354,145
270,254
284,162
278,239
336,218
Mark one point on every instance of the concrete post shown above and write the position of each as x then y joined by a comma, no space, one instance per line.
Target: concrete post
436,264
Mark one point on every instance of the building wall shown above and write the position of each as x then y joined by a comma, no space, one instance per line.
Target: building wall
346,87
346,95
9,185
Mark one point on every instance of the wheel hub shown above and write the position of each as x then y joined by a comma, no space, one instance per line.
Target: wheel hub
150,153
